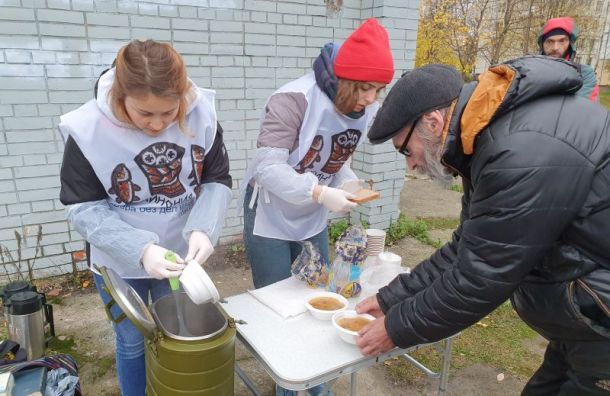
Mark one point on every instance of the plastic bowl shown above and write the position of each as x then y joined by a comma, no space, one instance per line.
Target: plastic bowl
197,284
323,314
345,334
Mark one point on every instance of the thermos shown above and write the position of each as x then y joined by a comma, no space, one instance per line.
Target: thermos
14,288
27,313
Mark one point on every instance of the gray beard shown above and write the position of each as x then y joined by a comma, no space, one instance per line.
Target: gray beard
434,168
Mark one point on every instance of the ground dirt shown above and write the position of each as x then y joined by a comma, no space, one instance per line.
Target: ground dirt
79,316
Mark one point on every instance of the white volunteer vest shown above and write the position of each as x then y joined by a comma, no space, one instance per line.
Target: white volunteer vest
327,139
152,182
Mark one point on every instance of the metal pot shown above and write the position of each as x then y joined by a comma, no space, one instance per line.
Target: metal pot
195,358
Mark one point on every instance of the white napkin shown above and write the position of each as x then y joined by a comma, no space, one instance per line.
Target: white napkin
287,297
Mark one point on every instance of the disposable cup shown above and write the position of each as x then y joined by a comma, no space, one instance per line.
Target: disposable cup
389,258
197,284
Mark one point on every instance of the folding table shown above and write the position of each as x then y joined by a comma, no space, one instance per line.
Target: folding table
302,352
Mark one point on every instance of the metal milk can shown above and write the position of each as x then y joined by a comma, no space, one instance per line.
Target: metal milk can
189,348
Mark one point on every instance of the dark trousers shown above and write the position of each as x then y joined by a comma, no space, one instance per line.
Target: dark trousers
572,368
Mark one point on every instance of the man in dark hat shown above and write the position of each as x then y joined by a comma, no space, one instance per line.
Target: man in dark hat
535,166
558,39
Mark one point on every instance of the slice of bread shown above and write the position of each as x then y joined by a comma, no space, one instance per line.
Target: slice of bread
365,195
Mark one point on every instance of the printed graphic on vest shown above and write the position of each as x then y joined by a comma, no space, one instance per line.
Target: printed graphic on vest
343,145
122,186
197,157
161,164
312,156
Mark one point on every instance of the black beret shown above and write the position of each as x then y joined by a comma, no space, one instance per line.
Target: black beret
417,92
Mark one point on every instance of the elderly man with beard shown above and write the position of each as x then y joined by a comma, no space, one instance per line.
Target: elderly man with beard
535,164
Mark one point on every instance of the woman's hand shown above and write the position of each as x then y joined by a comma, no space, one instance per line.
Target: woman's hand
200,247
334,199
156,265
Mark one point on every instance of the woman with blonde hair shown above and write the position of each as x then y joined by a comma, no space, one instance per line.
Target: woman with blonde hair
144,171
310,128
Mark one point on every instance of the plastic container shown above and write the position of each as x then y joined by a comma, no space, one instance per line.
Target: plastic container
197,284
389,258
345,334
375,277
323,314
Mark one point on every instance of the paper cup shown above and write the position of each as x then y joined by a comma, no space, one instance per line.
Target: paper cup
197,284
389,258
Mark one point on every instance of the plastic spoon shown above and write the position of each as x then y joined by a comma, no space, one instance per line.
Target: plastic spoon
174,284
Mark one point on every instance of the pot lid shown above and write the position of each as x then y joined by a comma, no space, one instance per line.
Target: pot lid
130,302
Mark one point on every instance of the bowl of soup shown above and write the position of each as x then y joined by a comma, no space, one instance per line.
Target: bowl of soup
324,305
349,323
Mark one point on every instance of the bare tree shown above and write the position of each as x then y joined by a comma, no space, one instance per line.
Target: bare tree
469,16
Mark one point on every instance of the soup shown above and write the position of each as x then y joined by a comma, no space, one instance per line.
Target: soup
353,324
326,303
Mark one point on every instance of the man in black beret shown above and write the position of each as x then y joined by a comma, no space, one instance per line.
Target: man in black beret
535,165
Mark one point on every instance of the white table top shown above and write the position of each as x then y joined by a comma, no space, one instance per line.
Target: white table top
299,352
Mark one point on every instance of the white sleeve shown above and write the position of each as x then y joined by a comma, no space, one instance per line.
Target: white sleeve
345,173
208,214
104,229
273,173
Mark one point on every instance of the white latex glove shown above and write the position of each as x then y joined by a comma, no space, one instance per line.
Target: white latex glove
352,186
157,266
336,200
200,247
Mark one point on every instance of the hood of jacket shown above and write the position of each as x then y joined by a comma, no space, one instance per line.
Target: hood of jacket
499,90
324,72
102,97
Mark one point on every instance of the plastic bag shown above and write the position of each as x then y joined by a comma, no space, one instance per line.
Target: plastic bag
60,383
310,266
377,276
344,274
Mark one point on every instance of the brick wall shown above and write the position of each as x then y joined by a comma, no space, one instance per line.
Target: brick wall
52,50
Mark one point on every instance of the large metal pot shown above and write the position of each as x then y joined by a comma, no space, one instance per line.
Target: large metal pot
190,348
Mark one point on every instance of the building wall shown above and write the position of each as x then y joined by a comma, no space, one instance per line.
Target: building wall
51,52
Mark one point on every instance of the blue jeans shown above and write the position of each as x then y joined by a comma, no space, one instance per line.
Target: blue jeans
129,341
270,260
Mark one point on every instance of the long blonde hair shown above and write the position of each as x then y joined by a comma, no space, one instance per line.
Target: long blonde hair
149,67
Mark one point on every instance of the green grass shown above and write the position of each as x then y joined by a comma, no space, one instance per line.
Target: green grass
336,228
457,188
403,227
498,340
604,96
441,223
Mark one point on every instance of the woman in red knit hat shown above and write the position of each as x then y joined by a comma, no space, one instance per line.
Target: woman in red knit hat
310,128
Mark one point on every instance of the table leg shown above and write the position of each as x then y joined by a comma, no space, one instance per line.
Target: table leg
247,381
444,377
353,388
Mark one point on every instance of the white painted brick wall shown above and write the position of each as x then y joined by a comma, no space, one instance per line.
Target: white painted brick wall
51,52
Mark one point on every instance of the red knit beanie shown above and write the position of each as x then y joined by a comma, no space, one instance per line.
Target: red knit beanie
365,55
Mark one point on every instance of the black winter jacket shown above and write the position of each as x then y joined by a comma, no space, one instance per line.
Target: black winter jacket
535,221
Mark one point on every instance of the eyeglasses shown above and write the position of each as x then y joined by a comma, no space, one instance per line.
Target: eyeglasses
403,148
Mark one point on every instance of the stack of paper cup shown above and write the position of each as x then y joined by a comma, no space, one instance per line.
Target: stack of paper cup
375,241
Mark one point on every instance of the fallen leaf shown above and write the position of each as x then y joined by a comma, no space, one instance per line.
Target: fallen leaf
482,324
86,284
54,293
